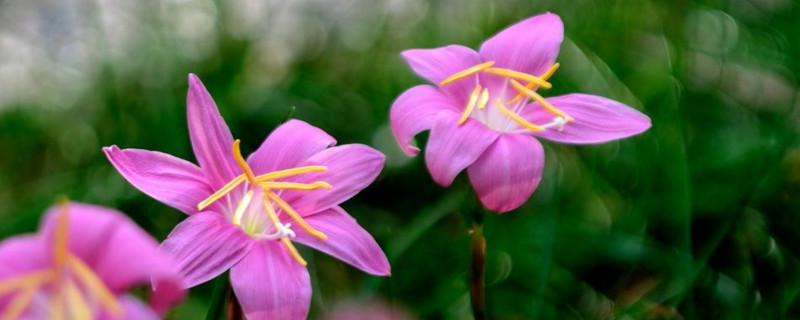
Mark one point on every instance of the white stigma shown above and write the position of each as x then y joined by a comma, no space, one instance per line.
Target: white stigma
557,123
283,231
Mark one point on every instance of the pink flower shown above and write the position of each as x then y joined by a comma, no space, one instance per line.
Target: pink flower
245,214
480,117
80,265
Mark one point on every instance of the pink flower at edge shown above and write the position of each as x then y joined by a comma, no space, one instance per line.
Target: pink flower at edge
480,117
297,169
87,257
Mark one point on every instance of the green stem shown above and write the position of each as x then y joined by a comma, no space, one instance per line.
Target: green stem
221,292
477,281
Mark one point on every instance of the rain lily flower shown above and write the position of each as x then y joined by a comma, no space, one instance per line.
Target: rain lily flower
80,265
484,113
245,214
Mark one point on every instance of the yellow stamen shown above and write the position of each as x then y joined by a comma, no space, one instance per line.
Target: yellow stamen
274,218
296,216
30,280
549,73
237,215
290,172
221,192
516,117
96,287
466,73
484,99
296,186
293,251
519,75
18,305
473,99
237,154
538,98
78,307
60,249
57,307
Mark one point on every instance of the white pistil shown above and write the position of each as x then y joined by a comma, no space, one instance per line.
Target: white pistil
557,123
283,231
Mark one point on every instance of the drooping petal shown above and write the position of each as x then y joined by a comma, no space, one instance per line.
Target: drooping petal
453,147
271,285
205,245
212,141
351,168
529,46
506,175
290,144
347,241
118,251
173,181
597,119
438,64
414,111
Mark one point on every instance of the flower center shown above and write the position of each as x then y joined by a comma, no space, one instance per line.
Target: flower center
73,284
480,97
267,186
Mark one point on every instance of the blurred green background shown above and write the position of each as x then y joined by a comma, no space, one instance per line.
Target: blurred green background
698,218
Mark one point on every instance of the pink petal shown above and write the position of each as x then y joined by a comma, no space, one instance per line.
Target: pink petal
438,64
212,141
347,241
175,182
453,147
205,245
134,310
271,285
597,119
351,168
414,111
119,251
22,254
290,144
508,172
529,46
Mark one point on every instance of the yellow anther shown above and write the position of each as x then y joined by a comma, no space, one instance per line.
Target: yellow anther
96,287
296,216
484,99
539,99
519,75
466,73
290,172
18,305
243,204
296,185
221,192
549,73
30,280
237,154
517,118
275,221
473,99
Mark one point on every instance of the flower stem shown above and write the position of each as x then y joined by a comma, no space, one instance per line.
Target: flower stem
235,309
222,290
478,250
